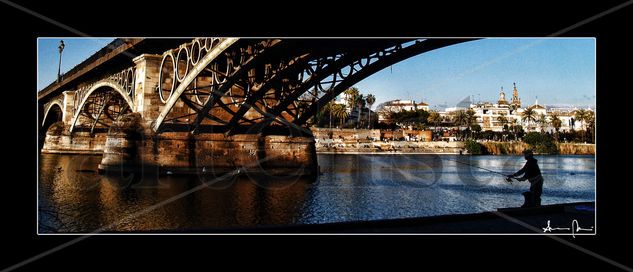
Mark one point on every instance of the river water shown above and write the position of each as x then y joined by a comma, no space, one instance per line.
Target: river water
73,198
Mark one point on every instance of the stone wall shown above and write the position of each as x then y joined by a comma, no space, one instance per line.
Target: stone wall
346,134
504,148
341,146
577,149
516,148
132,146
56,141
370,134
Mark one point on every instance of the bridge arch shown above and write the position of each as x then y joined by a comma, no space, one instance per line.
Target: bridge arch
53,111
94,88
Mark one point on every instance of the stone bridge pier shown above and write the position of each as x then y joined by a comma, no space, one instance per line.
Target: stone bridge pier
132,146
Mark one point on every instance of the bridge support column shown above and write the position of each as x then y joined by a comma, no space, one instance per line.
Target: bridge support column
147,99
132,146
58,140
68,107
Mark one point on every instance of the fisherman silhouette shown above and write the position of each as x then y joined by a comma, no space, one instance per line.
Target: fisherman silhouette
532,173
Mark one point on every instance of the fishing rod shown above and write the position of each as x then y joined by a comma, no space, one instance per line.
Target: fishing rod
508,179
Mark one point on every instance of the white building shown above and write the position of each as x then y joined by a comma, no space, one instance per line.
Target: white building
568,119
492,117
384,109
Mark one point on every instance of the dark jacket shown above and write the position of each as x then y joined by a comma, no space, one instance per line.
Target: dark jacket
530,169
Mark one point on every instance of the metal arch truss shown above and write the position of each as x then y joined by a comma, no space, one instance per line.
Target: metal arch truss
123,80
202,58
262,83
373,63
102,108
110,97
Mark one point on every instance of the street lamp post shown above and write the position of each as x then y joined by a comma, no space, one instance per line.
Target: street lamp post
61,48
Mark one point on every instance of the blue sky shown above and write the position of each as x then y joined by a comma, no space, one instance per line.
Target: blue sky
557,70
75,51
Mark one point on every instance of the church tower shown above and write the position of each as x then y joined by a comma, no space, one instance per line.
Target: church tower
516,101
502,98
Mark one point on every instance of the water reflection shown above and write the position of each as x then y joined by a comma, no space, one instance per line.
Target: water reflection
81,201
74,198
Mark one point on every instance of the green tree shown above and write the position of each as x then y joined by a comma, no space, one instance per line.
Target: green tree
542,122
434,118
351,95
556,123
502,119
529,115
581,115
473,147
541,143
590,121
471,119
340,112
515,127
370,99
410,117
460,118
476,128
360,102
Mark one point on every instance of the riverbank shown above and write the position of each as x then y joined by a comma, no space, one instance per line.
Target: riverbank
516,148
375,141
330,146
340,146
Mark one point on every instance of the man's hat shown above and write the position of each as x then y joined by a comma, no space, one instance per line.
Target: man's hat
528,152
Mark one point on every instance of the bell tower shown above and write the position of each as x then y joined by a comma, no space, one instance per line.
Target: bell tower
502,98
516,101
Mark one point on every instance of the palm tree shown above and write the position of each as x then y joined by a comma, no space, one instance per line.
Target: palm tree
528,115
542,121
502,119
581,115
351,95
370,98
360,102
460,118
590,120
515,127
340,112
556,123
329,107
470,119
434,118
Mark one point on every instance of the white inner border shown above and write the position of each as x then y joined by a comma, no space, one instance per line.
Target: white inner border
381,234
